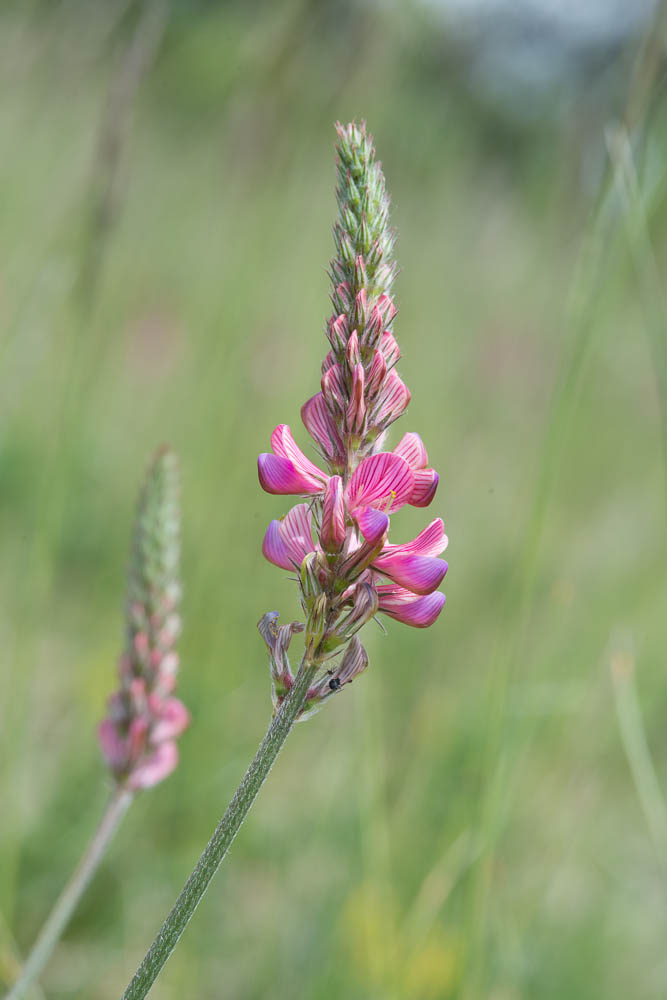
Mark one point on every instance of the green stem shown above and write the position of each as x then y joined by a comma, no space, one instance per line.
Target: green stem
223,835
72,893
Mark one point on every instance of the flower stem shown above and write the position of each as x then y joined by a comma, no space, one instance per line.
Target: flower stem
223,835
72,893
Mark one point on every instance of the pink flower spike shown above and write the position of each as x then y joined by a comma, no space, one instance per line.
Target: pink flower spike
279,475
155,767
420,612
332,534
383,481
319,423
418,574
411,448
285,446
287,543
426,483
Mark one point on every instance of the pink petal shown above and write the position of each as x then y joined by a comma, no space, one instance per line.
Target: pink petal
154,768
387,308
274,548
285,446
320,425
373,523
279,475
352,350
328,362
174,719
394,400
383,481
338,331
426,483
288,542
432,541
354,661
412,449
419,574
400,604
334,389
390,349
356,409
332,533
376,374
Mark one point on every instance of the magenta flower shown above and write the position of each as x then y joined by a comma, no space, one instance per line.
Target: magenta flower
337,541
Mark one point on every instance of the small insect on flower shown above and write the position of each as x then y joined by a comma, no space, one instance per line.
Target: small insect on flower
334,683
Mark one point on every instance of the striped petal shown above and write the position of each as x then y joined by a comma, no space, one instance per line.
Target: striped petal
432,541
383,481
389,348
411,448
394,400
287,543
420,612
334,389
285,446
426,483
418,574
320,425
332,532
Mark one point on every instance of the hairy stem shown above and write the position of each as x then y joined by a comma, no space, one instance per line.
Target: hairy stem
222,838
72,893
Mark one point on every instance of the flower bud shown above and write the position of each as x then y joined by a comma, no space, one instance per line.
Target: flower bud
332,532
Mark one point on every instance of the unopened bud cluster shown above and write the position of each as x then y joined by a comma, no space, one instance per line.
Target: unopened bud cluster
337,541
138,735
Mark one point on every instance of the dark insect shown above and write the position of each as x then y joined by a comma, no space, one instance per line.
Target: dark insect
334,683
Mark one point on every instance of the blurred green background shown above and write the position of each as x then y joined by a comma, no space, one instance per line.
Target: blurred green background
463,822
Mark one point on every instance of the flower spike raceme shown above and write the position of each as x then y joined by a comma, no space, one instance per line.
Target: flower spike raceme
337,541
138,735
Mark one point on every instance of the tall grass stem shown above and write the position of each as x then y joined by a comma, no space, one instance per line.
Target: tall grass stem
72,893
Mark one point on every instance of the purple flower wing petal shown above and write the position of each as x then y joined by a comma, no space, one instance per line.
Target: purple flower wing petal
373,524
279,475
419,574
420,612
